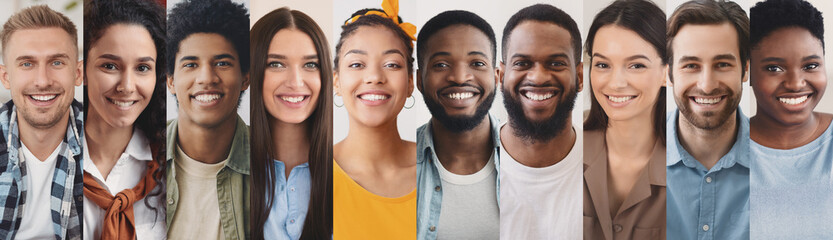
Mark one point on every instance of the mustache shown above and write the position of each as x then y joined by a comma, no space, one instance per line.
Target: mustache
43,90
715,92
465,84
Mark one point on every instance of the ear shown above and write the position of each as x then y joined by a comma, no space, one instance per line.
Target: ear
499,72
245,82
580,76
79,73
419,80
336,84
410,84
746,72
665,82
170,83
4,76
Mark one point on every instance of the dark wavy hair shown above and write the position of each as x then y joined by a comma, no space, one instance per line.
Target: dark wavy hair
648,21
375,20
319,219
767,16
99,15
223,17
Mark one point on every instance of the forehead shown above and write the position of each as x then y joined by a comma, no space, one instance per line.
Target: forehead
39,42
800,41
301,43
205,45
373,39
130,39
537,38
706,41
460,37
614,40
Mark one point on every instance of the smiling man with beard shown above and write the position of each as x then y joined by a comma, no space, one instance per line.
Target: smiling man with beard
707,163
458,149
541,171
40,150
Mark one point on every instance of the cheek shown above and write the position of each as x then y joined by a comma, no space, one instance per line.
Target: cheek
314,83
271,81
146,85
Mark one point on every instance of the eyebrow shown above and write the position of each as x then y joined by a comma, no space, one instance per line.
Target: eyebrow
393,51
355,51
188,58
224,55
279,56
689,58
725,57
811,57
53,56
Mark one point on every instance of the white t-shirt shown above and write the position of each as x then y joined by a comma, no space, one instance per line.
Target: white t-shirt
198,212
469,206
128,171
542,203
37,213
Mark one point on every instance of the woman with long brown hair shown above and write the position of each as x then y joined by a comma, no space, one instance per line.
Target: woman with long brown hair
292,127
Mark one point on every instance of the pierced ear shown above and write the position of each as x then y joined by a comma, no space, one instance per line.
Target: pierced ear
419,80
410,84
4,77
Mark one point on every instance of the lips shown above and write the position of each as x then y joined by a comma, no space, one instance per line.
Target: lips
207,97
793,100
538,95
293,99
374,97
43,97
620,99
122,103
708,100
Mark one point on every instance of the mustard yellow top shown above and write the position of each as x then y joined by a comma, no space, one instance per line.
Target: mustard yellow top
360,214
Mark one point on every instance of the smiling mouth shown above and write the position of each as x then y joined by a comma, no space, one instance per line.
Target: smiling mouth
373,97
707,100
538,96
460,95
207,97
295,99
43,98
620,99
793,100
123,104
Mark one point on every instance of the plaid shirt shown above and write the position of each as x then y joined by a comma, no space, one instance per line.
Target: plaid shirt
66,208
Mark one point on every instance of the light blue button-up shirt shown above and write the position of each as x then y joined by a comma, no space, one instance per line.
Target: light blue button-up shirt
289,209
707,203
792,190
429,185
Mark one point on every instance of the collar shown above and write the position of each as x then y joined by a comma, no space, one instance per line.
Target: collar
595,158
739,153
73,133
426,143
238,155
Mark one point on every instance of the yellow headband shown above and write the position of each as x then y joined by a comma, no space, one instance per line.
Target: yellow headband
391,8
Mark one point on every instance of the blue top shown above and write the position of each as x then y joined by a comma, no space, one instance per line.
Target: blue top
289,208
429,185
792,191
707,203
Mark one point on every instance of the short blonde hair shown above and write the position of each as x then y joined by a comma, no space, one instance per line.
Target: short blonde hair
34,17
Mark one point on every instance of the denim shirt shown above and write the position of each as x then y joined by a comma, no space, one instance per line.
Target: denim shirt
67,189
429,185
233,181
289,208
708,203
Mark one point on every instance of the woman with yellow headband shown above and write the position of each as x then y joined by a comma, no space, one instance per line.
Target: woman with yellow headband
374,171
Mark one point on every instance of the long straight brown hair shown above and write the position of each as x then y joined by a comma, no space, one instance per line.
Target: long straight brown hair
319,220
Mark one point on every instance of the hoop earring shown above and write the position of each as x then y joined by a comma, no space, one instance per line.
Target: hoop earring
412,103
334,100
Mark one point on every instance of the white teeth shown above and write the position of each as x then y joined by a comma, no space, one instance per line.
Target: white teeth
207,97
702,100
462,95
43,97
620,99
538,97
793,101
123,104
373,97
293,99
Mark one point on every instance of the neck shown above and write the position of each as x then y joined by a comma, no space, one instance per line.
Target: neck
291,143
463,160
632,138
374,146
539,153
708,145
206,145
42,141
105,142
774,134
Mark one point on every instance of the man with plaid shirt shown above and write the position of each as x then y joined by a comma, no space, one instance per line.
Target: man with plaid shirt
40,150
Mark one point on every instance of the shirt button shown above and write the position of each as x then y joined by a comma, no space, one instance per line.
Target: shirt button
437,188
432,228
170,201
617,228
708,179
292,189
705,228
291,220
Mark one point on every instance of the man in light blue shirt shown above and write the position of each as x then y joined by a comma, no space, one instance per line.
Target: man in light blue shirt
457,151
791,190
708,136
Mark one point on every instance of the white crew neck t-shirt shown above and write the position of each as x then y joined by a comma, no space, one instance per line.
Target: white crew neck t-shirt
469,204
542,203
37,215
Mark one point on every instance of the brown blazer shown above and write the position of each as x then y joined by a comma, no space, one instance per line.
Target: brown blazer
642,214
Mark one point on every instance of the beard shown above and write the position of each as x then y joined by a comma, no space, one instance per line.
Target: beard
538,131
44,118
708,120
458,124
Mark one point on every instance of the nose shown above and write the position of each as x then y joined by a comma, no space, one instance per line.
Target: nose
460,74
127,83
42,79
538,74
795,81
206,75
296,78
374,75
707,81
618,80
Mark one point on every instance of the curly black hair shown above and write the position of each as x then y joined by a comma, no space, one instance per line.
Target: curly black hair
544,13
449,18
375,20
230,20
771,15
99,15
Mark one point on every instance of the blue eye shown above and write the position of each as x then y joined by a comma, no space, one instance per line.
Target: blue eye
26,64
57,63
